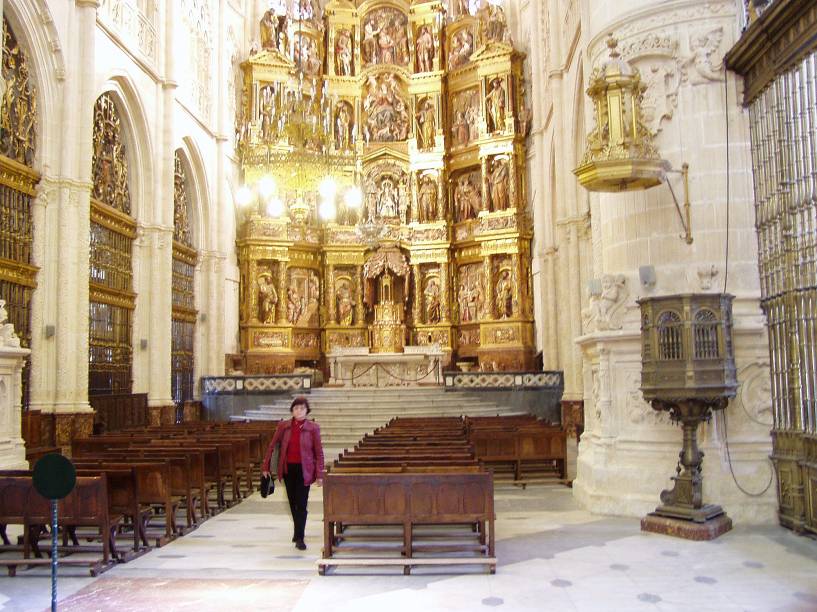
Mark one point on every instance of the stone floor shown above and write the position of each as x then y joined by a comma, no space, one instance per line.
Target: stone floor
552,556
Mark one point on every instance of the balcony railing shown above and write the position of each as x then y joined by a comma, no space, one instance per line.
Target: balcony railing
128,21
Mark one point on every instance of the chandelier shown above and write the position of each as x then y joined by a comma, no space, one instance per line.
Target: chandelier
292,164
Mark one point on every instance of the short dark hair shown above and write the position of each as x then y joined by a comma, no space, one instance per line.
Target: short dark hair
300,400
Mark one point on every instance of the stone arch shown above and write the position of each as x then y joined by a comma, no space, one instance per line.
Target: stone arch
198,187
139,147
37,34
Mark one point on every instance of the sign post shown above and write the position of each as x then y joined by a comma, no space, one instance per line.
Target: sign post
54,477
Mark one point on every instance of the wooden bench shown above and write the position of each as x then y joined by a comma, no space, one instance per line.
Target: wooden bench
409,500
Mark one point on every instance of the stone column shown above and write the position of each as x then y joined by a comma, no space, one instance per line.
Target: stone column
282,293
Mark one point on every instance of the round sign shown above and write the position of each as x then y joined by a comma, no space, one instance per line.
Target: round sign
54,476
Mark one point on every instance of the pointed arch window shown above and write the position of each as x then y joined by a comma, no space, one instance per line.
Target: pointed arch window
112,299
183,326
18,180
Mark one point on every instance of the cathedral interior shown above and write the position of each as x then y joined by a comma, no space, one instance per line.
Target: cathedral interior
601,217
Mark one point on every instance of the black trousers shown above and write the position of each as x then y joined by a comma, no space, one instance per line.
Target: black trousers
298,495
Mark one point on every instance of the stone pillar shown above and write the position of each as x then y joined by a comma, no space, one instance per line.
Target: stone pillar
628,451
12,359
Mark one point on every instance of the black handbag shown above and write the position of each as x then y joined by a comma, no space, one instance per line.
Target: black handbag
267,485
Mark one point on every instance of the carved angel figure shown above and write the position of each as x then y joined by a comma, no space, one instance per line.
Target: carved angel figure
704,64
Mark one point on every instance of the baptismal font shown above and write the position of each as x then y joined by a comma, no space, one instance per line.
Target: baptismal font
383,200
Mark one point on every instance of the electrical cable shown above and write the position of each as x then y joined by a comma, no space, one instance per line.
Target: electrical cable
725,280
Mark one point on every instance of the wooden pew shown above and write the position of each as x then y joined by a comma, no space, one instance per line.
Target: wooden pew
408,500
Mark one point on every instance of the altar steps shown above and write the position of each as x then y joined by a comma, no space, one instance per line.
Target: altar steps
345,416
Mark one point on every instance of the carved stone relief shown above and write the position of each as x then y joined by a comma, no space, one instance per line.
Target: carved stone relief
385,37
385,109
606,310
467,195
465,117
470,295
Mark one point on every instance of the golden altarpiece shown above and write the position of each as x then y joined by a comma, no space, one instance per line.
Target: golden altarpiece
424,238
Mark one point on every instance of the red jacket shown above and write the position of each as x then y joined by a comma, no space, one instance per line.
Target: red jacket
311,450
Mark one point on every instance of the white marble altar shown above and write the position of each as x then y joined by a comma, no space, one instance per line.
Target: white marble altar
12,358
356,367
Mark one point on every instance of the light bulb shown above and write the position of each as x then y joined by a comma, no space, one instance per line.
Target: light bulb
326,210
353,197
275,207
243,196
266,187
327,188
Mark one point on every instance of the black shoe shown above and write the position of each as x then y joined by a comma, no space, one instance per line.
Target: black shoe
294,539
299,544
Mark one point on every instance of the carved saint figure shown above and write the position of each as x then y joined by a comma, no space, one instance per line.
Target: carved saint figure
462,45
432,299
498,184
343,122
267,298
504,295
343,53
273,30
387,199
492,24
427,197
386,117
266,113
466,199
294,305
369,45
462,299
344,305
495,106
426,124
424,46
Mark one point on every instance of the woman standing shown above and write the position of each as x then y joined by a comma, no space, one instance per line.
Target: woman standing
300,462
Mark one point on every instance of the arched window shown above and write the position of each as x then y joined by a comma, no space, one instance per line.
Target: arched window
18,131
184,312
670,332
112,300
705,335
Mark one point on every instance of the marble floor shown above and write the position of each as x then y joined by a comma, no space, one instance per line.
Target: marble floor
552,556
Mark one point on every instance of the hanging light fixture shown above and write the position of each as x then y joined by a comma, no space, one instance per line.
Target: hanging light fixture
620,155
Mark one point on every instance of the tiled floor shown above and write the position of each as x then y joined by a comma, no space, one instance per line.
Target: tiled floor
552,556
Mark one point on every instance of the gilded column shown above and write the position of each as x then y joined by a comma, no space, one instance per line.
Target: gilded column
416,305
444,292
415,205
250,294
330,292
360,315
517,286
488,288
484,165
282,293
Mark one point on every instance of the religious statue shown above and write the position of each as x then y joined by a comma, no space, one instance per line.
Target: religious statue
294,306
386,117
387,199
426,124
309,311
504,295
462,46
495,106
427,197
273,31
305,54
432,301
492,24
343,53
343,125
424,47
344,304
498,184
267,297
467,200
8,338
369,45
267,107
